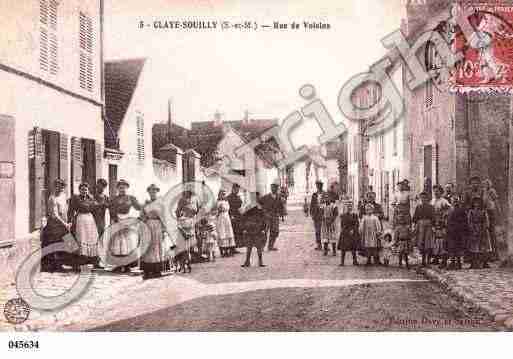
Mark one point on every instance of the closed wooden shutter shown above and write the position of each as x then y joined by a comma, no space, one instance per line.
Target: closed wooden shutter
76,164
64,158
192,169
98,161
37,202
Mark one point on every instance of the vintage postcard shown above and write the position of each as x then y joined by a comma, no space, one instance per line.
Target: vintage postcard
255,166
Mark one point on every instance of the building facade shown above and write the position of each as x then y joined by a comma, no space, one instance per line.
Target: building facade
51,114
130,117
452,136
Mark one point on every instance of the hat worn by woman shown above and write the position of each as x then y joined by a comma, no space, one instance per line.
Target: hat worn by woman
101,183
59,183
438,187
122,182
153,187
83,185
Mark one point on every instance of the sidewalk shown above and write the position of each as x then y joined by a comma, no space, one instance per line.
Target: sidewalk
490,290
104,288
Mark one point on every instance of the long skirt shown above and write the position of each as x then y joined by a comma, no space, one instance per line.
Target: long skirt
156,258
124,242
225,231
328,234
403,236
425,236
52,233
439,241
348,241
86,235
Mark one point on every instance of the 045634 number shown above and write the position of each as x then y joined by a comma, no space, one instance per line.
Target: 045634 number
23,344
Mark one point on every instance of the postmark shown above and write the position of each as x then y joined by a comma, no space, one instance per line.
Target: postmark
487,66
16,311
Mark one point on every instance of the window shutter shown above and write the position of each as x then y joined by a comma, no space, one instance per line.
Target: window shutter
86,40
63,158
99,158
37,201
140,138
76,164
192,174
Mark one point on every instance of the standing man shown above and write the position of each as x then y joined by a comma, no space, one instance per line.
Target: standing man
475,191
316,213
235,203
254,232
273,209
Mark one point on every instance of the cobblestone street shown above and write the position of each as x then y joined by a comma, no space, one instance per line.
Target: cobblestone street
300,289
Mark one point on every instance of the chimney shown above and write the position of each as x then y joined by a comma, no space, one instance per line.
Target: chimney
245,120
217,119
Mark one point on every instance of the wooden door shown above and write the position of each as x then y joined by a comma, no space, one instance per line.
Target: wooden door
51,140
7,178
37,165
428,168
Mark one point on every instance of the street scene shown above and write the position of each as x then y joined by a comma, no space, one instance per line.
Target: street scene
204,172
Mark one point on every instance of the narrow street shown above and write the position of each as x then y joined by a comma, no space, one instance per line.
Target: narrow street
299,290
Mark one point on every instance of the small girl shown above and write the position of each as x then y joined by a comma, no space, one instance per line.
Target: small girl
370,229
387,249
207,233
328,226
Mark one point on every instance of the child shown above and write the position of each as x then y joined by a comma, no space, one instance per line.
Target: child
328,226
207,233
479,240
370,230
423,220
441,206
387,247
403,243
349,239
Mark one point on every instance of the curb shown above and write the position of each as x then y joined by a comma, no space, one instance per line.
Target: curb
502,318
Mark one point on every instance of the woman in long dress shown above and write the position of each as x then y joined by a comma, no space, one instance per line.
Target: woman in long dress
56,227
480,246
402,221
84,227
156,258
348,238
102,201
126,240
224,225
186,212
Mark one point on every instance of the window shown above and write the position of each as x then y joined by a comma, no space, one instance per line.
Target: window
381,146
48,42
140,138
355,148
431,64
86,52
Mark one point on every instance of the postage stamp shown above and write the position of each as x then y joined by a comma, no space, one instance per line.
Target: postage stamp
488,54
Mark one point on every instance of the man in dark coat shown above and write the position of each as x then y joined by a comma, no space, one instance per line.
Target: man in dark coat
235,203
273,209
316,212
254,233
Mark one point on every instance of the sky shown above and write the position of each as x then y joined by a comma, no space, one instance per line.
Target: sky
259,71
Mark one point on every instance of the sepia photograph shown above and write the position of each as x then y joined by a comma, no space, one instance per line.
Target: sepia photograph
254,166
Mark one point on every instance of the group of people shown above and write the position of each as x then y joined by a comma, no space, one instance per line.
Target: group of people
223,228
446,228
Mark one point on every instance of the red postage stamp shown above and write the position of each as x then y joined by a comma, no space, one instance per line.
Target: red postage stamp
488,54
